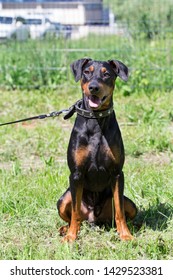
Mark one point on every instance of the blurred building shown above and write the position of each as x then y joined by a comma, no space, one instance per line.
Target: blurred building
67,12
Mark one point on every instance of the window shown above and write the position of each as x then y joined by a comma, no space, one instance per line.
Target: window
6,20
35,21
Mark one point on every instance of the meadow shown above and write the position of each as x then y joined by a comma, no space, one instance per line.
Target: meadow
33,169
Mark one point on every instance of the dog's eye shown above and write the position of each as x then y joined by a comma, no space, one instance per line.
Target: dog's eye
106,74
86,72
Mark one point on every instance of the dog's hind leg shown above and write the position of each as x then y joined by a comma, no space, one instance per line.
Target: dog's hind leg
130,208
64,206
64,209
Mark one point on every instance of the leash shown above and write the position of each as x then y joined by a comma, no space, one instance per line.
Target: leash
39,117
69,113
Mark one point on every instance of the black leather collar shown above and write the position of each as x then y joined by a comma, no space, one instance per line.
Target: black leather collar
92,114
87,114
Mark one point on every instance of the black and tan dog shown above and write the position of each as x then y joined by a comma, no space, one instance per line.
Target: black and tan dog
96,154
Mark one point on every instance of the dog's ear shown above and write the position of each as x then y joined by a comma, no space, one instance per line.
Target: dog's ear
120,69
77,67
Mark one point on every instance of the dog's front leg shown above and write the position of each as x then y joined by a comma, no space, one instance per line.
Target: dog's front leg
120,219
76,188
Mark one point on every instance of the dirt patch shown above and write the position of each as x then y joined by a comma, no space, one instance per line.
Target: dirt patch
159,158
32,163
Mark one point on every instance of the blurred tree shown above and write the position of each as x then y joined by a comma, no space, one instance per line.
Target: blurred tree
145,18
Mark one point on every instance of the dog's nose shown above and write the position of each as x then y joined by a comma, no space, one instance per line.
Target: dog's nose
93,87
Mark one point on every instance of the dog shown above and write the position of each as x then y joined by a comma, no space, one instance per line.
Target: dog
95,154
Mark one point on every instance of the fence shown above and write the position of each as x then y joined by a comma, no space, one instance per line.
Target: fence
137,32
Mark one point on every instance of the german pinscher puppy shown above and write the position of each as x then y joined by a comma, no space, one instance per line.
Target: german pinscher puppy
96,154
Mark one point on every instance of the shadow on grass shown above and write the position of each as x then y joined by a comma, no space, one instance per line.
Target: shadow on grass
156,217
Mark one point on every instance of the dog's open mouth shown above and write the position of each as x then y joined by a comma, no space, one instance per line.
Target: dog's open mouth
95,101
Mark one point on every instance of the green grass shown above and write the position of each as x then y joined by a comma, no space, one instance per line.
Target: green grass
34,174
38,64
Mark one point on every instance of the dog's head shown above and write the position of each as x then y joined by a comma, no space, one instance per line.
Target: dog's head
98,80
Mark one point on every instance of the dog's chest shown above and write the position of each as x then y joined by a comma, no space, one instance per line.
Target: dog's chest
96,153
100,151
98,163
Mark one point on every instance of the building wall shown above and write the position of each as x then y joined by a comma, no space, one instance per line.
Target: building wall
67,12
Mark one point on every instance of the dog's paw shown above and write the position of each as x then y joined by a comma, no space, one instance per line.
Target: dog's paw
69,238
126,237
63,230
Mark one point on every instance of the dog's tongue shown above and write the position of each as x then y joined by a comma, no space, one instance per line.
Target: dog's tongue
94,101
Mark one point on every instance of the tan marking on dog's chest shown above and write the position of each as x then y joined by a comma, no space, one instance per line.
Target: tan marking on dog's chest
80,154
113,154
